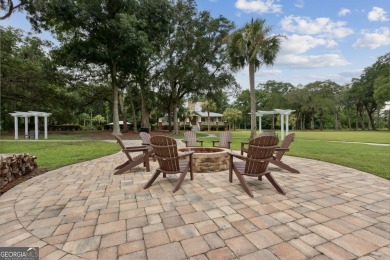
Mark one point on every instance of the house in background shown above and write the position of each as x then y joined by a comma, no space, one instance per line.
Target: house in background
197,117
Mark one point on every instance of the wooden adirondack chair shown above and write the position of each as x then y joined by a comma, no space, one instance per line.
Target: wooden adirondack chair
277,158
145,137
168,159
244,145
260,152
190,139
224,141
132,162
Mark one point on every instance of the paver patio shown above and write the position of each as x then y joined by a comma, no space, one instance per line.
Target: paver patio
84,211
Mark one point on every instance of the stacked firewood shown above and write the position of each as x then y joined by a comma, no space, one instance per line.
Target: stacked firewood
14,166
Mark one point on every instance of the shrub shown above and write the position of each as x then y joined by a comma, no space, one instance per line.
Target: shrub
65,127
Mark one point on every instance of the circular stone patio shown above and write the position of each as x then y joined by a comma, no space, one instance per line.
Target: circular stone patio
84,211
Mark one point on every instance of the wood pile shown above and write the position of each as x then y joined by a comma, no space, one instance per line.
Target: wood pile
13,166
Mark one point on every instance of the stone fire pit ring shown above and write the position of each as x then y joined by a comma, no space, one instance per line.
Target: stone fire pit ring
208,159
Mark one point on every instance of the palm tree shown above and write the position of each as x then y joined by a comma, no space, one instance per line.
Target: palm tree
254,46
209,105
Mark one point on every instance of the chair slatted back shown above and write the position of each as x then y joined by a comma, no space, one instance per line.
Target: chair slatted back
190,137
165,149
286,143
122,145
224,139
145,137
260,148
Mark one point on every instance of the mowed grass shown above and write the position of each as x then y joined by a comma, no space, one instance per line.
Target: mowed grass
52,155
319,145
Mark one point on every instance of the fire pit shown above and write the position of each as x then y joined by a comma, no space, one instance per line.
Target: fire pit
208,159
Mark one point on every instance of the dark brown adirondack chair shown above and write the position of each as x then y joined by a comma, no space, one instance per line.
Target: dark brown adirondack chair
260,152
145,137
244,145
132,161
190,139
224,141
277,158
167,156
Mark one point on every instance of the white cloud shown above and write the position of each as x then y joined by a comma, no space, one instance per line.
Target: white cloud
269,72
320,26
300,4
258,6
344,12
311,61
373,39
299,44
377,14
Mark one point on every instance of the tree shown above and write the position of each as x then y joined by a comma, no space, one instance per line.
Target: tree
111,35
232,115
8,7
254,46
382,83
27,71
208,105
98,120
363,88
195,61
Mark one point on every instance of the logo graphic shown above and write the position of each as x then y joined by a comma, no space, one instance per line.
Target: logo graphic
19,253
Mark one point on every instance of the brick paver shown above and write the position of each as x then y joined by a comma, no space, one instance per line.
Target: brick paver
84,211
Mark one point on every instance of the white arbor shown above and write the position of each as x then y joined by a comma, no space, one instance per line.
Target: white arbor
283,113
26,115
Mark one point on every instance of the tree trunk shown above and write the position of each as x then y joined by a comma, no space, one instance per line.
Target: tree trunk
336,123
135,128
349,120
312,120
144,111
362,119
388,119
371,121
208,120
175,125
123,112
253,99
115,115
357,118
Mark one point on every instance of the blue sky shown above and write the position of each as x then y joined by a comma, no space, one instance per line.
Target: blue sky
326,39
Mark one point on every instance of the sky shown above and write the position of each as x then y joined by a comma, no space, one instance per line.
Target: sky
325,39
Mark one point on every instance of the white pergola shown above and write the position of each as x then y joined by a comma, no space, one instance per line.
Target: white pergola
283,113
26,115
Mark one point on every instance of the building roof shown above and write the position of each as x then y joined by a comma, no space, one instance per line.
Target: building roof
204,114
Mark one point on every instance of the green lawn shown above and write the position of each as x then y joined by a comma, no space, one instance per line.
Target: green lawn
317,145
307,144
52,155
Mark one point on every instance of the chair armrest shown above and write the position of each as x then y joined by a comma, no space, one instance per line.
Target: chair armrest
185,154
136,149
282,149
215,142
200,141
237,156
243,145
